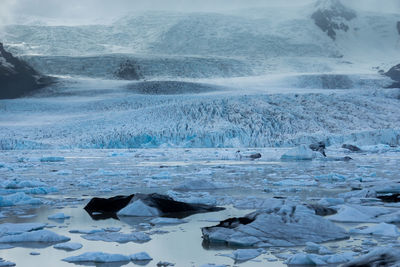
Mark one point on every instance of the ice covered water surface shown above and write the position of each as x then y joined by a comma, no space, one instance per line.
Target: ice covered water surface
248,185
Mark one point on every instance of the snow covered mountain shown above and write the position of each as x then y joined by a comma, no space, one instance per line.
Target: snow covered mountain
325,36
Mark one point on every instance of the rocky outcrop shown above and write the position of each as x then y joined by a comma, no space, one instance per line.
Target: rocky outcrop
128,70
17,78
332,16
394,74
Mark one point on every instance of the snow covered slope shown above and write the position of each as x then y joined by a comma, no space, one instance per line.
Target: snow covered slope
326,33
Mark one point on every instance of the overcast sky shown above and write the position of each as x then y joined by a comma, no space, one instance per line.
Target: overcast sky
89,10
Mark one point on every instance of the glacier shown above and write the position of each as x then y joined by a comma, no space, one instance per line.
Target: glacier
175,103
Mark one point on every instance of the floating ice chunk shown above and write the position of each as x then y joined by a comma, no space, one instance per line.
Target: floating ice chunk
193,197
141,256
19,228
58,216
19,198
52,159
242,255
365,193
139,209
285,226
64,172
331,177
2,216
258,203
314,259
138,237
69,246
40,190
301,152
99,257
305,259
212,265
316,248
103,172
357,213
162,176
164,264
4,263
201,184
87,232
162,220
41,236
14,184
382,256
330,201
295,182
383,229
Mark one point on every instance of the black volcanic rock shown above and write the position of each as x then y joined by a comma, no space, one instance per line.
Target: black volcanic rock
128,70
17,78
398,27
331,16
394,74
165,205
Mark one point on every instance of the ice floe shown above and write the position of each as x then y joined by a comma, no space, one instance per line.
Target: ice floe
382,256
69,246
99,257
19,198
286,226
141,256
358,213
4,263
58,216
165,221
52,159
242,255
40,236
137,237
19,228
383,229
314,259
199,184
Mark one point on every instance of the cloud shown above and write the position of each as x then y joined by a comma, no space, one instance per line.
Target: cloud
6,11
90,10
